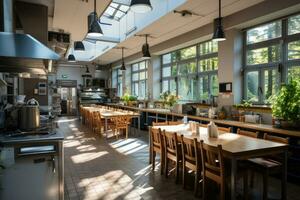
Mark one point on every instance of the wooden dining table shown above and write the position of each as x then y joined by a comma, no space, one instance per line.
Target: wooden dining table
107,114
236,147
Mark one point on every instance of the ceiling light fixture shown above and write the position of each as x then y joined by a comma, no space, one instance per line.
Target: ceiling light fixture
94,29
145,49
79,46
123,67
141,6
219,34
71,58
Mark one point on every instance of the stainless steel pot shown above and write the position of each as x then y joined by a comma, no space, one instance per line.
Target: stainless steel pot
29,117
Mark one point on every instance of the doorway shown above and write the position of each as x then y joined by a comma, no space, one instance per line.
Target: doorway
68,97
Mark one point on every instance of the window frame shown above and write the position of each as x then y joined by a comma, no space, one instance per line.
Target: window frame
139,81
197,74
281,66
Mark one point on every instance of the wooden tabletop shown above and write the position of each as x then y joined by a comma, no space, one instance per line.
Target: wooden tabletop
112,113
234,145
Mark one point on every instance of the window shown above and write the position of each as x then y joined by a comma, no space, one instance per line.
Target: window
117,81
139,81
116,11
272,56
191,73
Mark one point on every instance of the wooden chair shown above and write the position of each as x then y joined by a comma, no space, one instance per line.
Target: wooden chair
121,123
191,159
247,133
172,152
213,167
268,165
175,122
160,123
224,129
156,146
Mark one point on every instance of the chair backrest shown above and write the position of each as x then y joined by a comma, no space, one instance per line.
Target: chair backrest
156,137
170,142
160,123
212,162
121,121
224,129
175,122
189,149
276,138
247,133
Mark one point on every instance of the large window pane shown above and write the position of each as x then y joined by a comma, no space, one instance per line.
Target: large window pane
264,32
165,86
135,67
174,70
294,25
135,76
252,85
187,88
270,84
135,87
208,64
214,84
263,55
142,75
166,72
142,65
189,52
294,50
187,68
293,72
208,47
173,87
166,58
142,91
203,88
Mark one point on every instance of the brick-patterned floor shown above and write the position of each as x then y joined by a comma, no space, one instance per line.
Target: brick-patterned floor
96,168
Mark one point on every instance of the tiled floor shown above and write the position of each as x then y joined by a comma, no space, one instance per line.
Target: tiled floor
96,168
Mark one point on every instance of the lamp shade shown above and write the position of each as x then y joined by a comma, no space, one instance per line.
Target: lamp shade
146,52
219,34
140,6
94,28
79,46
123,67
71,58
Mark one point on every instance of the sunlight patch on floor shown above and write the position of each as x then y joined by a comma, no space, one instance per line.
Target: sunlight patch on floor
86,157
128,146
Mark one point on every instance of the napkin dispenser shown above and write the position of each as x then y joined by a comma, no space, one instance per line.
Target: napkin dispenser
212,130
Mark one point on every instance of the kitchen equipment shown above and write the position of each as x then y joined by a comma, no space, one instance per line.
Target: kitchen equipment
29,115
252,119
20,99
33,170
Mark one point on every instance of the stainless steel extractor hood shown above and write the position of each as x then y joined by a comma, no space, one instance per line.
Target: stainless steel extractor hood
22,52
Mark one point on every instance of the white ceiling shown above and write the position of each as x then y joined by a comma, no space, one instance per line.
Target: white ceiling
172,25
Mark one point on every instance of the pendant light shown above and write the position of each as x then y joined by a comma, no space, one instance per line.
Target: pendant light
94,29
79,46
140,6
123,67
219,34
71,58
145,49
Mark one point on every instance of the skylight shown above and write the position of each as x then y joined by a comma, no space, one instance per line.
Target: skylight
116,11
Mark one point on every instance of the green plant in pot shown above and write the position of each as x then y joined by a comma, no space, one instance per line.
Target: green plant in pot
128,98
286,105
168,99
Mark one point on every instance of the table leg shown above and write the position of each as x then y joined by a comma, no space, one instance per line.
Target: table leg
150,146
284,176
139,123
233,177
106,128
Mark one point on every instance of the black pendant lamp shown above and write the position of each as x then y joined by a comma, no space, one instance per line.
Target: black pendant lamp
71,58
94,29
140,6
79,46
123,67
145,49
219,34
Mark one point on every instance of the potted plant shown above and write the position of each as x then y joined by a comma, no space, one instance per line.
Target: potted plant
286,105
128,99
168,99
